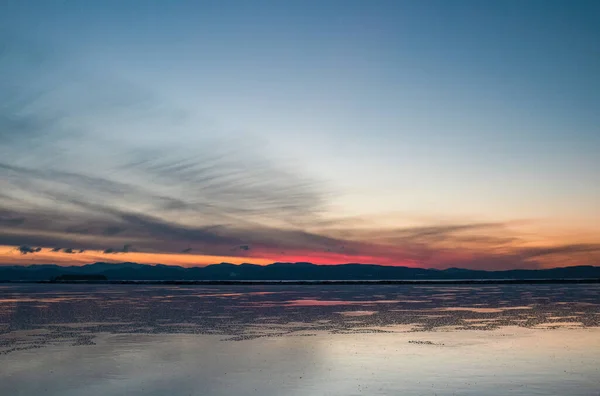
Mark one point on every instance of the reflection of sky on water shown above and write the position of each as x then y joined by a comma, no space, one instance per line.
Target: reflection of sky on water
507,361
75,313
299,340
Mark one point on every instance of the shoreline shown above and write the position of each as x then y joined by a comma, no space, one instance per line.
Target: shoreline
315,282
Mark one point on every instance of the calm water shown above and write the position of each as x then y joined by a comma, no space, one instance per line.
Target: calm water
300,340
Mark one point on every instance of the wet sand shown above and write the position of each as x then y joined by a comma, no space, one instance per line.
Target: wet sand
299,340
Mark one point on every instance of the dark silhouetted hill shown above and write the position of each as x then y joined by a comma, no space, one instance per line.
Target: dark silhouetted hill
282,271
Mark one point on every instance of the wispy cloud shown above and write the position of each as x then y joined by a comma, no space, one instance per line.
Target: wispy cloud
73,175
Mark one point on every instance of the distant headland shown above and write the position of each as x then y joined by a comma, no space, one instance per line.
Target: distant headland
288,272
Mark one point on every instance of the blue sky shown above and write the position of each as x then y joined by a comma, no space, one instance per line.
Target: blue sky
407,113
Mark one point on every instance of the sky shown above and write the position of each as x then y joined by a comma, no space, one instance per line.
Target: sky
418,133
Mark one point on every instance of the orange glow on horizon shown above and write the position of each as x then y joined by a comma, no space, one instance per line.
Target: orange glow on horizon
444,258
10,255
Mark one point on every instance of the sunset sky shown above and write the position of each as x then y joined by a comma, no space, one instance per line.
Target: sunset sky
419,133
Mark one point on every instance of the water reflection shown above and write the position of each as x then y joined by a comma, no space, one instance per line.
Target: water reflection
74,314
524,362
299,340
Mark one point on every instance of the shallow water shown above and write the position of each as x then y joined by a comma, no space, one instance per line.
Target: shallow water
299,340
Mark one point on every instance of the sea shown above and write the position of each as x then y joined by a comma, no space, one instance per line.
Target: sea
315,339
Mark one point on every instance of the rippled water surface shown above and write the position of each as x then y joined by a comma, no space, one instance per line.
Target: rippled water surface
300,340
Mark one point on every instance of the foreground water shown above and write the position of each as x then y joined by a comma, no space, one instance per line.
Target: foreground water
300,340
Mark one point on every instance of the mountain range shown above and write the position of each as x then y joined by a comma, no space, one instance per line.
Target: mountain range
282,271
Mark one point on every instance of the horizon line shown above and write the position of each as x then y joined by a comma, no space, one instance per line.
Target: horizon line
295,263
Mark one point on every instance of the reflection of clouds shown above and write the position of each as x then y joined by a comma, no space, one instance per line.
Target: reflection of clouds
378,363
240,312
357,313
484,310
325,303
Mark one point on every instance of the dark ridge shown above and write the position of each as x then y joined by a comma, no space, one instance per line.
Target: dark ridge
286,272
331,282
